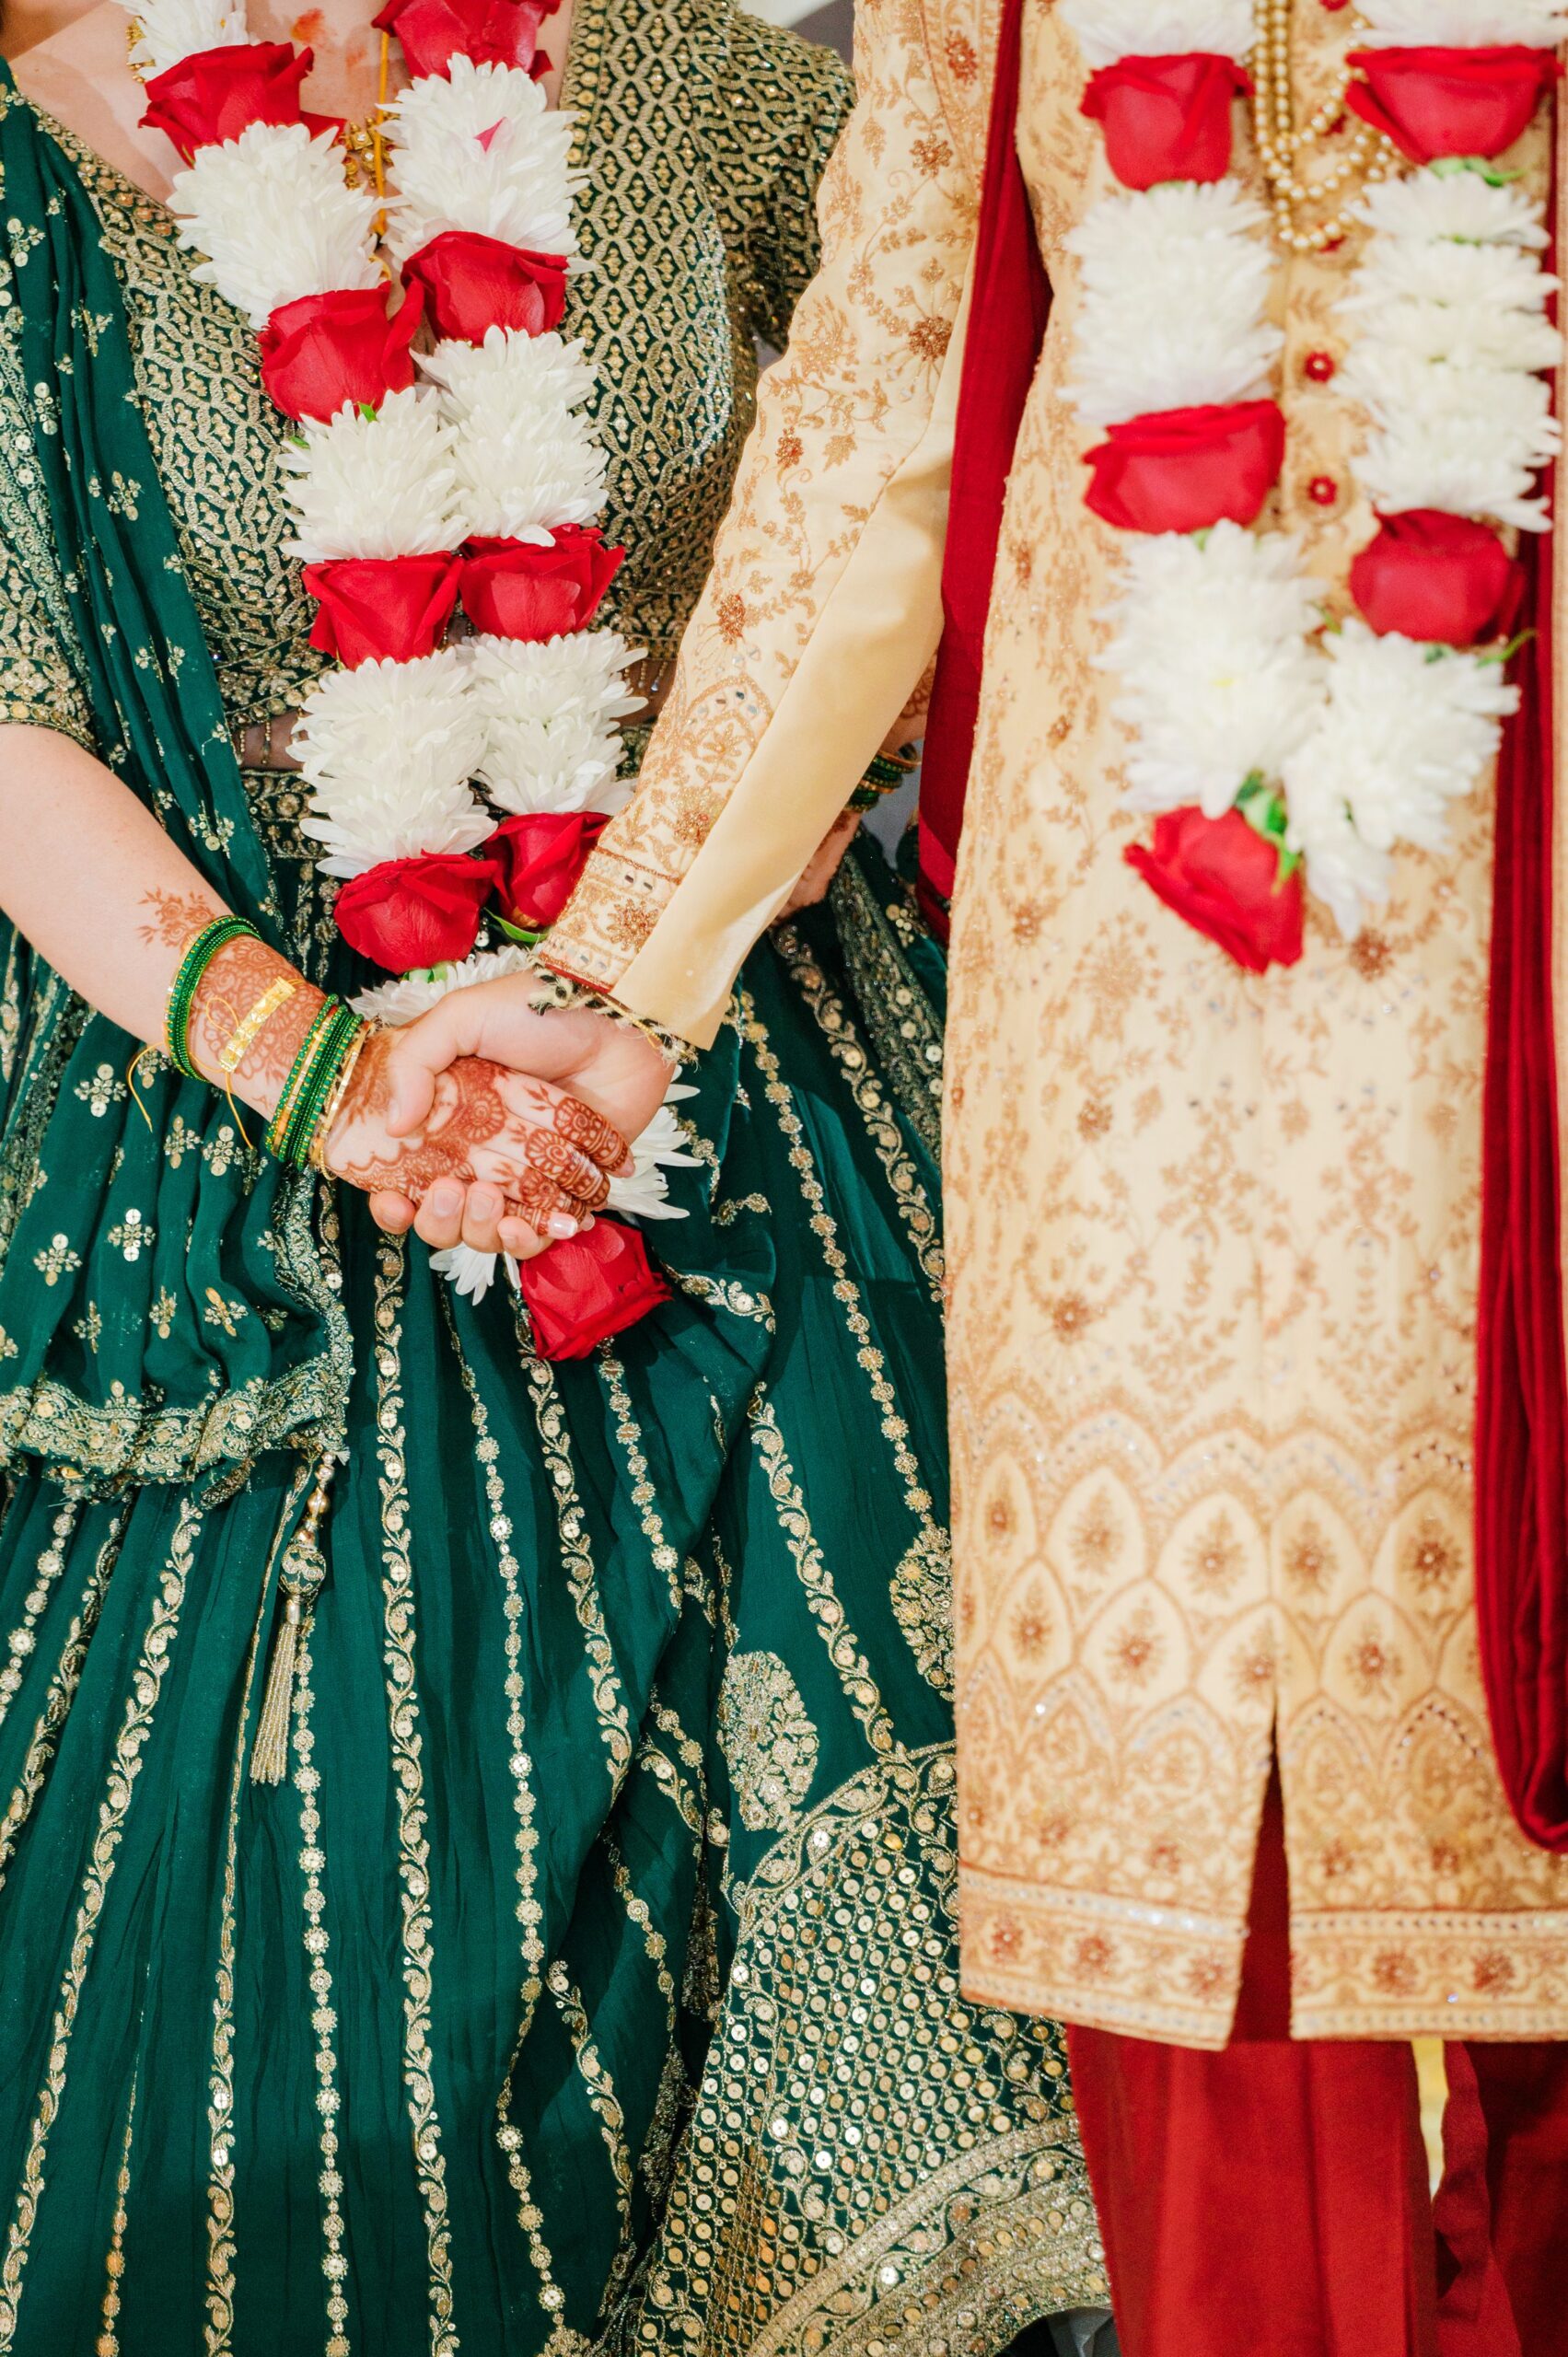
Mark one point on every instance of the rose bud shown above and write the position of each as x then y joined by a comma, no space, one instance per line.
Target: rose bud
1446,580
515,589
1183,469
215,94
584,1290
1166,118
1435,102
538,859
375,608
493,32
1225,878
472,282
413,913
326,350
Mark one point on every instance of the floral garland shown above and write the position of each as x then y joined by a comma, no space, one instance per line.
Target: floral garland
465,475
1275,748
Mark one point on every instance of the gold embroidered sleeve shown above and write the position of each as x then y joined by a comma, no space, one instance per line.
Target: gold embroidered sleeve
780,109
823,607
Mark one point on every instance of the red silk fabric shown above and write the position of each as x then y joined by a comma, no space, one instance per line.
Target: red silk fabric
1010,304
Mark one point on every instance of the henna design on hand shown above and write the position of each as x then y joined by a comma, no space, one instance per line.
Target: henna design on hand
178,917
240,974
581,1126
582,1179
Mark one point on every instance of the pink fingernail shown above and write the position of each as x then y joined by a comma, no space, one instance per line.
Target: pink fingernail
562,1225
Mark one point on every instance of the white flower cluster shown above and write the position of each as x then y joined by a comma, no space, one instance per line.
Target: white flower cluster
1173,308
1449,302
389,750
549,710
479,148
526,461
163,31
1108,31
374,487
1219,680
271,216
1464,24
1402,732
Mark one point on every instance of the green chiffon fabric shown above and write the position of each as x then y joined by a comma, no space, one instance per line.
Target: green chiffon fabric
592,1977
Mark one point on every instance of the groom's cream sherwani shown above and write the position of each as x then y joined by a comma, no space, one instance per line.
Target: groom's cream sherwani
1213,1239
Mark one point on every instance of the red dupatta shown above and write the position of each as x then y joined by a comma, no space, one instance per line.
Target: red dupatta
1008,307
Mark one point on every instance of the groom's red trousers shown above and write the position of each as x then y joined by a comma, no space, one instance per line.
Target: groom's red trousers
1273,2200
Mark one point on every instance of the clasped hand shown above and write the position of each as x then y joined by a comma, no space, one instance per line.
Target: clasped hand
489,1125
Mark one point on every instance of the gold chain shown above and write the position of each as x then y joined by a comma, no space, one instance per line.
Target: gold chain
1368,155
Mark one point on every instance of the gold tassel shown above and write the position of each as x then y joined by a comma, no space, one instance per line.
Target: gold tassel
269,1756
299,1584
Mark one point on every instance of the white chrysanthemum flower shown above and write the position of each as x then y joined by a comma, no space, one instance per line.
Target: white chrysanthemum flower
379,486
1403,732
1342,871
163,31
525,461
272,216
1464,24
1469,441
1463,207
1176,285
408,996
389,748
470,1272
1442,270
1469,337
549,709
479,148
1109,29
1218,677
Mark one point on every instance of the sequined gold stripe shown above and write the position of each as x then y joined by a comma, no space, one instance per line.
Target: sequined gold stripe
656,1947
152,1667
323,2019
854,1669
221,2245
644,1496
61,1691
605,2104
107,2342
849,1052
576,1555
22,1641
399,1628
530,1914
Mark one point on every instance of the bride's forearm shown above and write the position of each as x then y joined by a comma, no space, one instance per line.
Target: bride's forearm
89,877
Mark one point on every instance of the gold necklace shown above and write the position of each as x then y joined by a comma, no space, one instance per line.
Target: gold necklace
1368,156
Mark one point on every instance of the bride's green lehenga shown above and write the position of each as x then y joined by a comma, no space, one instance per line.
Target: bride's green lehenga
593,1971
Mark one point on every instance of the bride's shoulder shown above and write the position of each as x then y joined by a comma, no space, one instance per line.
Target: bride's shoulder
80,74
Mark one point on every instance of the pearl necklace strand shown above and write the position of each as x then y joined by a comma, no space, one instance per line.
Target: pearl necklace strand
1369,156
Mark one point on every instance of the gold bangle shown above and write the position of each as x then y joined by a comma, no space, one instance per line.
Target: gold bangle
334,1103
231,1055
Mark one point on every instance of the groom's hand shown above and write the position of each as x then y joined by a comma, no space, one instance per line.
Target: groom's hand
611,1068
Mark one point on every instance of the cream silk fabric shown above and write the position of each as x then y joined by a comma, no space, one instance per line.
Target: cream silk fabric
1214,1240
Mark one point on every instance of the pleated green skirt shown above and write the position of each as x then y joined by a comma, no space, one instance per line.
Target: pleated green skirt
593,1974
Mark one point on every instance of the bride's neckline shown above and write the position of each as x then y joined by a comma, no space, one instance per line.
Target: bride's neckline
578,80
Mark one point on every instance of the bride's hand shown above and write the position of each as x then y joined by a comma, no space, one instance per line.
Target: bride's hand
497,1159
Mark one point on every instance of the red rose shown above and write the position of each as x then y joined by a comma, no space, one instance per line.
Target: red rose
493,32
474,283
1166,118
410,912
1446,580
325,350
1435,102
538,858
1182,469
584,1290
215,94
378,606
514,590
1224,877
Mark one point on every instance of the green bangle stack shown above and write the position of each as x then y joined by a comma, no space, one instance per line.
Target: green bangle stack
214,936
312,1078
887,771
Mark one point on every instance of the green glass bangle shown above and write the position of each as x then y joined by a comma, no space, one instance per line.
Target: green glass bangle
314,1079
884,771
214,936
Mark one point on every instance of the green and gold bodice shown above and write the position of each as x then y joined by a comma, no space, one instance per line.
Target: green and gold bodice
700,134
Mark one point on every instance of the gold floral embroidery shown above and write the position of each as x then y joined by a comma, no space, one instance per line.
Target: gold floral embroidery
768,1739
